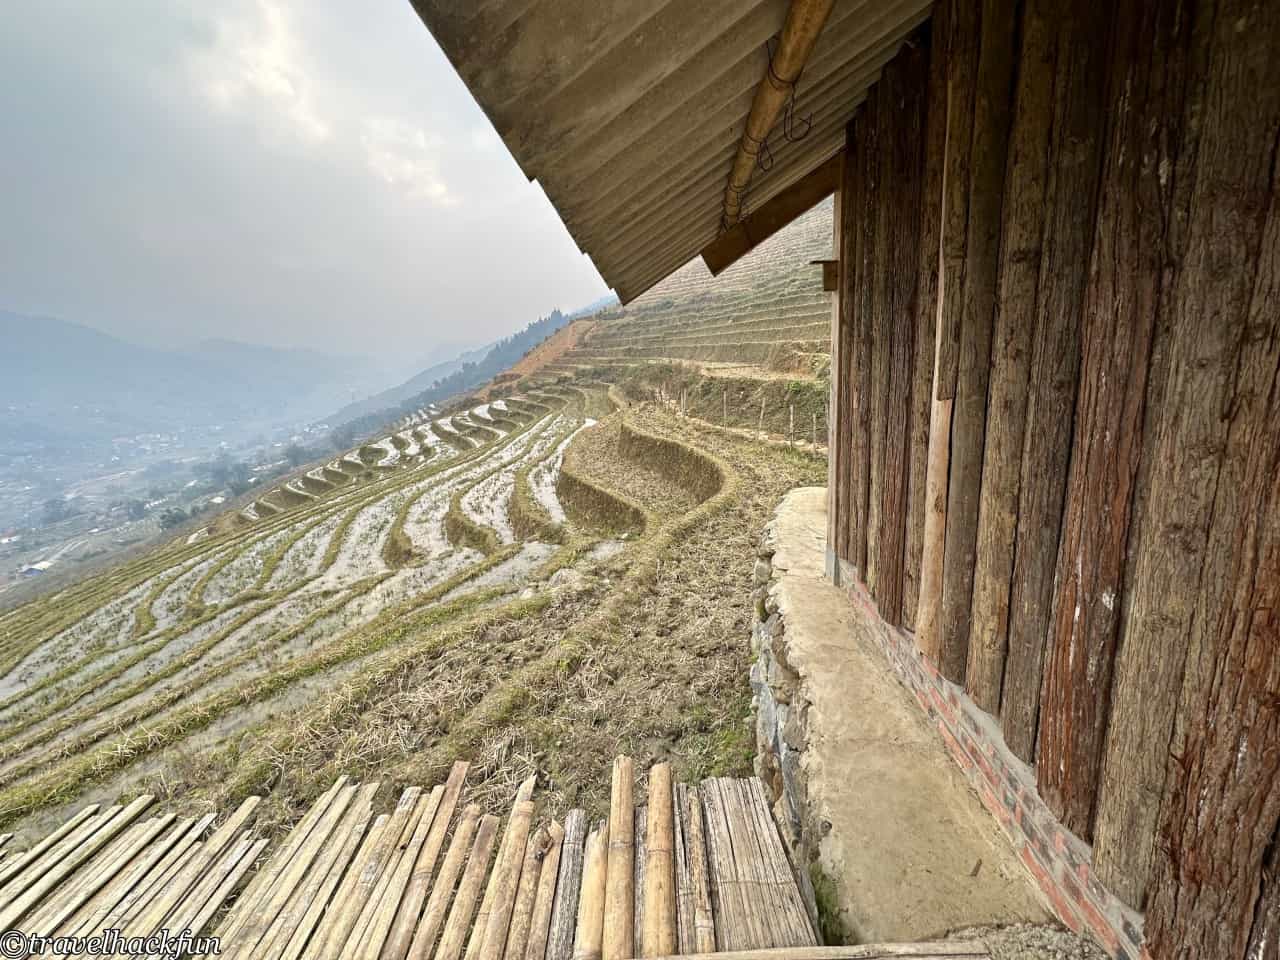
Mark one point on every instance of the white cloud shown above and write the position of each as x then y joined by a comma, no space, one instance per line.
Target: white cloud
256,62
405,157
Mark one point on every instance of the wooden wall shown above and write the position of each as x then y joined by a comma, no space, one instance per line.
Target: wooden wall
1056,455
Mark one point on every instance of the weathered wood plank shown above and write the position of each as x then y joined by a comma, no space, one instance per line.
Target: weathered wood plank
1077,682
962,22
1220,814
860,320
1015,319
879,210
905,83
926,313
987,151
1135,256
564,912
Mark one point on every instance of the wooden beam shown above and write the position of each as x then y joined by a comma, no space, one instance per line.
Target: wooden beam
905,84
1124,340
1020,240
926,310
1077,684
987,152
772,215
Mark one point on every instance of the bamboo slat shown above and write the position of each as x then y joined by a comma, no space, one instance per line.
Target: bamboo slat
383,862
419,886
345,852
619,902
540,926
588,939
522,912
453,937
272,900
704,928
137,878
155,908
424,938
386,898
505,883
21,862
486,904
659,875
564,909
684,882
31,867
19,907
265,879
340,914
57,911
325,871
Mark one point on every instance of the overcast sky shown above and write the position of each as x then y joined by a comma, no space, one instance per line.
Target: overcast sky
284,172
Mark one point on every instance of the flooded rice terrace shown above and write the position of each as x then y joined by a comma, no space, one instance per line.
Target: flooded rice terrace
192,644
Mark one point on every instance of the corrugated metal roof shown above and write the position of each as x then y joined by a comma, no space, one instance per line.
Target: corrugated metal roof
628,113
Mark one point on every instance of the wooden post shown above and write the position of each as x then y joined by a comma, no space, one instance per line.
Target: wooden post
814,440
791,425
1074,693
1118,412
1204,575
863,220
725,398
961,22
926,310
1023,214
905,83
761,424
988,149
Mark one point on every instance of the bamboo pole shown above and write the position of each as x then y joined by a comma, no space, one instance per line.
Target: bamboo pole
659,877
760,425
506,881
526,892
424,938
588,941
540,927
805,20
464,904
564,909
620,904
704,927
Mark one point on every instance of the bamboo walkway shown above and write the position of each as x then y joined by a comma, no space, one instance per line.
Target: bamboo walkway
690,870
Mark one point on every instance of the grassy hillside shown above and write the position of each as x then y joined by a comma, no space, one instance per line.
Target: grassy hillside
536,581
766,313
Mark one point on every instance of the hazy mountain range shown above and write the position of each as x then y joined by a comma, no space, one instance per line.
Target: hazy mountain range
64,381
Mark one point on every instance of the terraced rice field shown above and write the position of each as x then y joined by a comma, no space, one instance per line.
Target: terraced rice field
493,582
766,313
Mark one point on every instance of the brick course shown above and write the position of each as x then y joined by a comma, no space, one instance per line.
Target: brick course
1059,861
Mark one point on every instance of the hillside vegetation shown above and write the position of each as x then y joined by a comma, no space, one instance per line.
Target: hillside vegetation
536,581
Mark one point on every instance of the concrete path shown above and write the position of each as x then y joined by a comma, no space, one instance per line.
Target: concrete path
911,848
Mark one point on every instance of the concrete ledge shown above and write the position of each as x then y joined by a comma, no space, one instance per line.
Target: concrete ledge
863,783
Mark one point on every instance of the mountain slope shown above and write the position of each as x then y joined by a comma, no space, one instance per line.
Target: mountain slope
71,380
